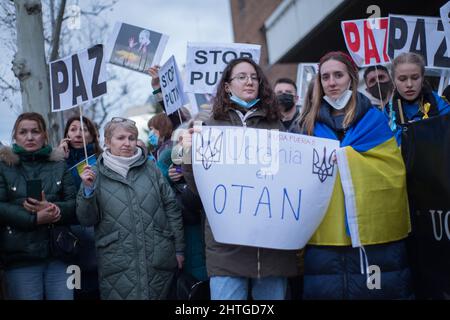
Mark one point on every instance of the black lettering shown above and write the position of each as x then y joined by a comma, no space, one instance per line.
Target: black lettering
170,74
58,87
166,98
440,58
77,75
208,81
225,54
419,37
163,80
97,88
203,58
196,76
215,53
397,23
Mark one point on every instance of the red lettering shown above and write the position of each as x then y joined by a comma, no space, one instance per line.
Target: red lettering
370,46
350,28
384,23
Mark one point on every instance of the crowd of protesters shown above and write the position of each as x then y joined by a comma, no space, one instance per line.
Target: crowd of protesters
135,210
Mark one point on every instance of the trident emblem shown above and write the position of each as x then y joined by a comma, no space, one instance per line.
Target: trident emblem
323,167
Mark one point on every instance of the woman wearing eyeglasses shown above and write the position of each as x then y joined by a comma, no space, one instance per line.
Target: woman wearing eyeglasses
245,98
138,225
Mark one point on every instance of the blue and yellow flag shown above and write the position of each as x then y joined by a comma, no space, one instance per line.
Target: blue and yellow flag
78,168
369,204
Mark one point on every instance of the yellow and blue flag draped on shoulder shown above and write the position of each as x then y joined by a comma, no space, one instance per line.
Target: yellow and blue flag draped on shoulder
369,204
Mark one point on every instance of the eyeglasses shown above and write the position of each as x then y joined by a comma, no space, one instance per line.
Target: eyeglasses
120,119
243,78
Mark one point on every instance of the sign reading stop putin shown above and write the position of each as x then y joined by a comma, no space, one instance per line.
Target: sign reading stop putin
366,40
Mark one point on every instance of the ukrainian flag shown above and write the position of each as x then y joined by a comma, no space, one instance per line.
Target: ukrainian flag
78,168
369,204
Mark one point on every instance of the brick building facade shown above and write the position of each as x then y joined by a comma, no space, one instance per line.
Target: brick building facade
248,17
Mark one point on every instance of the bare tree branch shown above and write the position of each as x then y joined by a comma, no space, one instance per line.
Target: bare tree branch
57,31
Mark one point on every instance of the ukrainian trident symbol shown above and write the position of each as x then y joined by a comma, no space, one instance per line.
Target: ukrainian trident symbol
323,167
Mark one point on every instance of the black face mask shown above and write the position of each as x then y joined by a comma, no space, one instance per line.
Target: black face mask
286,101
385,88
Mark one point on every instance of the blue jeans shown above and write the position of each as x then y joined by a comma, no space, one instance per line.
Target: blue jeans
47,280
236,288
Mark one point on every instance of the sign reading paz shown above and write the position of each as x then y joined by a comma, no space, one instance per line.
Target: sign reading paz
366,40
205,63
171,86
78,78
263,188
423,35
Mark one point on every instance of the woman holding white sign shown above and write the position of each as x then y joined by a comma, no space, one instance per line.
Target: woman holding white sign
413,98
358,251
245,98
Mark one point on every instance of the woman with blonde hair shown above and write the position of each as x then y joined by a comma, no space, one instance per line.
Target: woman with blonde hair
138,225
413,98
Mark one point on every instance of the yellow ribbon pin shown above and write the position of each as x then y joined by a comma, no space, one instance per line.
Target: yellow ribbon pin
426,109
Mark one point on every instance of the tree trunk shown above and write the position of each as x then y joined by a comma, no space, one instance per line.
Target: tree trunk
30,67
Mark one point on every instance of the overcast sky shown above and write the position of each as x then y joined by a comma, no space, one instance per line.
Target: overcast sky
181,20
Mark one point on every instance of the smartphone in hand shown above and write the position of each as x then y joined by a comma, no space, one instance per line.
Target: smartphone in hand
34,189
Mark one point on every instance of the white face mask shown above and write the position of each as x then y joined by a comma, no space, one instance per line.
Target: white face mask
340,102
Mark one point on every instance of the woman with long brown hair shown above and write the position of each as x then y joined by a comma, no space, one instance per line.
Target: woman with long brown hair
367,219
245,98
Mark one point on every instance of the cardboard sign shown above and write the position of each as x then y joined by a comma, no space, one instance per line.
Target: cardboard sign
135,48
445,17
205,63
366,40
263,188
171,86
77,79
423,35
305,74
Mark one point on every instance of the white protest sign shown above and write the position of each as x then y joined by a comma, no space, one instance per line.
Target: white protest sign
205,63
366,40
135,48
423,35
445,17
171,86
305,74
263,188
78,78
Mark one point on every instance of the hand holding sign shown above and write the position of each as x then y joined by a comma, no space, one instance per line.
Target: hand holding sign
153,72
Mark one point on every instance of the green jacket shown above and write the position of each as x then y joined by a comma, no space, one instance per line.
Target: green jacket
138,230
22,241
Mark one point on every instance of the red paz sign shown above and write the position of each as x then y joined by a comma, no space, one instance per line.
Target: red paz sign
423,35
366,40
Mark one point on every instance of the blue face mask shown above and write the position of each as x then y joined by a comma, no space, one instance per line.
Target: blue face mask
153,139
242,103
